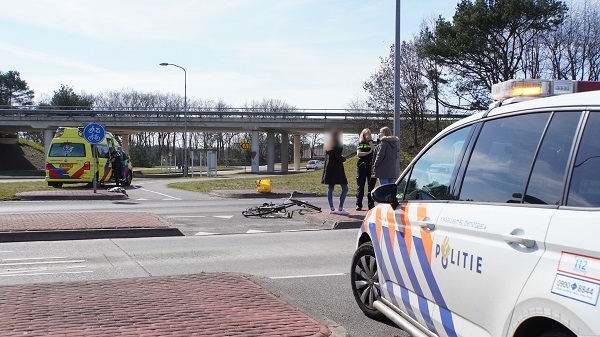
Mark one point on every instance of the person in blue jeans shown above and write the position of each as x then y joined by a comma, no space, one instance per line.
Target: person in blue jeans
386,165
333,172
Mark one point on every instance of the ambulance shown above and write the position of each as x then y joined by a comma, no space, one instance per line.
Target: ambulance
70,159
493,229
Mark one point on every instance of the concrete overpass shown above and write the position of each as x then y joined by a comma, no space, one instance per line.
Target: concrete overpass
126,121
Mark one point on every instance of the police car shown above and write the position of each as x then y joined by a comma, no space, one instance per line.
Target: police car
494,228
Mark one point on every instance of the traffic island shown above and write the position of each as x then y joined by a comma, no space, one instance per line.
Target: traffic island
252,194
59,194
332,221
82,226
207,304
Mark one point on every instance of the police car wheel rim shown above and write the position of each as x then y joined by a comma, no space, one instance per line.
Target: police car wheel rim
367,280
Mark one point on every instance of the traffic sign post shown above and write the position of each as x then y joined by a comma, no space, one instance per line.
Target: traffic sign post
94,134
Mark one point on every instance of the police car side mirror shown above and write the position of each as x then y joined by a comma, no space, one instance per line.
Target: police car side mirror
386,194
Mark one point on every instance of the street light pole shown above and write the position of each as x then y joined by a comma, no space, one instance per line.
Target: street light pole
397,76
185,164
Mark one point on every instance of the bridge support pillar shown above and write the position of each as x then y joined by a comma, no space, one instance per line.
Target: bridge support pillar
255,152
48,135
297,152
125,143
285,140
270,152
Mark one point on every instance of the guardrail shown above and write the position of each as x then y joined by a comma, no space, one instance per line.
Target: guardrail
193,114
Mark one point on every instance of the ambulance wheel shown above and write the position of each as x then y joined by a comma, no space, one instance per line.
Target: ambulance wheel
127,181
55,185
365,280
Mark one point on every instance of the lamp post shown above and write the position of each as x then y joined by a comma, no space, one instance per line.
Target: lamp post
185,166
397,75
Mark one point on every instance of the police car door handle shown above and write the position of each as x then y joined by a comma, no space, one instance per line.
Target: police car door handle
426,224
523,241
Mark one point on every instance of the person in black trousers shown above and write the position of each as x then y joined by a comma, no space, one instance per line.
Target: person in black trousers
364,152
117,165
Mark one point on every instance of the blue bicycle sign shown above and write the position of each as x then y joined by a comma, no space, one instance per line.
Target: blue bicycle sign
94,133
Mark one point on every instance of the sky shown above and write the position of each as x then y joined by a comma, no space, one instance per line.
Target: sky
308,53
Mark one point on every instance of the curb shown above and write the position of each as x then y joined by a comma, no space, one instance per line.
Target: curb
322,222
251,194
35,196
90,234
337,330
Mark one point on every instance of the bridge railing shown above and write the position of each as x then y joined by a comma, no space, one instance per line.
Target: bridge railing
158,112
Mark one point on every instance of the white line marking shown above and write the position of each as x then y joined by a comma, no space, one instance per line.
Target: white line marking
41,262
204,233
62,272
223,216
164,195
73,267
304,276
141,199
186,216
6,251
303,230
21,271
254,231
34,258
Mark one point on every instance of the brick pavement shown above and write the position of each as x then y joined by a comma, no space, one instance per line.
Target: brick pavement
62,194
207,304
78,221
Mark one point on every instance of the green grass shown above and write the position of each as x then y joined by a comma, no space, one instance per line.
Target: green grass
309,182
31,144
8,191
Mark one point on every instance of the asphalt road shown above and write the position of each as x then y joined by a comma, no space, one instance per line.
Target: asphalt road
307,266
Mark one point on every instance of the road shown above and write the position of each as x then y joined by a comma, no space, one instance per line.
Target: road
308,267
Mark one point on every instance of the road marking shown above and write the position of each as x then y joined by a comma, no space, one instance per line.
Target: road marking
6,251
223,216
186,216
21,271
141,199
73,267
34,258
204,233
303,230
254,231
304,276
164,195
41,262
49,273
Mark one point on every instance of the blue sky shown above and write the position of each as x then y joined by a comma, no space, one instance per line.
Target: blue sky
309,53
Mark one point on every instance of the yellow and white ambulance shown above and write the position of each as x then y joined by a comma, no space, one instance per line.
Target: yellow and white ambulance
492,230
70,159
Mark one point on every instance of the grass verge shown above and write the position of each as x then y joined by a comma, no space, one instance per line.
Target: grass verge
8,191
309,182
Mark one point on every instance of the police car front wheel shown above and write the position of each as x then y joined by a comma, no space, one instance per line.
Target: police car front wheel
365,280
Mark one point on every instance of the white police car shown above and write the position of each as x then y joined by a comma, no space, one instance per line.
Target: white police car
494,228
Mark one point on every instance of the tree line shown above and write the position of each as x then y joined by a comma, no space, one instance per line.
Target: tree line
449,67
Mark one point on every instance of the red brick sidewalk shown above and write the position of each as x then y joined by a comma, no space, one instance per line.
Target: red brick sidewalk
204,304
77,221
333,221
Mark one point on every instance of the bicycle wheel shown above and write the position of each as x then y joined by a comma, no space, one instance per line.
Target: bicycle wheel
259,211
305,205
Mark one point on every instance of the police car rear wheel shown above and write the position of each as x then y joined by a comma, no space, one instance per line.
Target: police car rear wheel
365,280
556,333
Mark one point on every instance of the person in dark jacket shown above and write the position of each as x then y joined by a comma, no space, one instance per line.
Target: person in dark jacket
117,165
364,152
386,165
333,172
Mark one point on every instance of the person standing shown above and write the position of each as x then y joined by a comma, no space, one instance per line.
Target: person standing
117,165
364,152
386,165
333,172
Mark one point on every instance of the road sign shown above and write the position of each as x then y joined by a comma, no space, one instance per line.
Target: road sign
245,146
94,133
